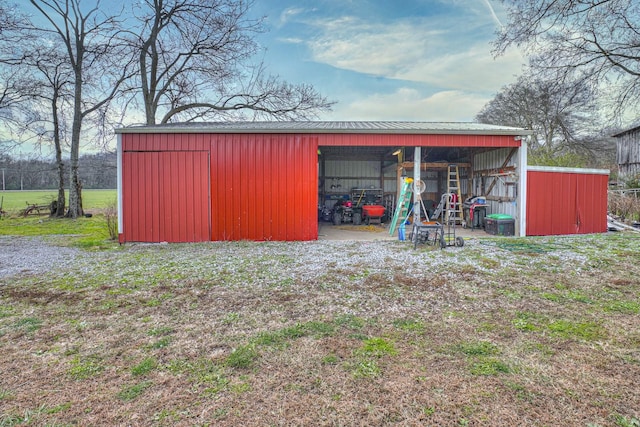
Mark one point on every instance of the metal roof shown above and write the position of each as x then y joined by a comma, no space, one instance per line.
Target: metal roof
373,127
634,127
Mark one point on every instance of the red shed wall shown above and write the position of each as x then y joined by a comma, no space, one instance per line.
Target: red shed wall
197,186
264,187
402,140
166,198
566,203
254,187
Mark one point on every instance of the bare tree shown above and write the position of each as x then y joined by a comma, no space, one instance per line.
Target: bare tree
15,89
562,114
97,60
56,78
598,40
192,57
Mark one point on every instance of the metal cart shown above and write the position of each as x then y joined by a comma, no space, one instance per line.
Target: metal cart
429,233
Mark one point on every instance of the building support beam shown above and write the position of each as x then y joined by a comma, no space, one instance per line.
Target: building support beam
417,157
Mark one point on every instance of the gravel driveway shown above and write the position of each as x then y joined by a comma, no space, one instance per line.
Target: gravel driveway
32,255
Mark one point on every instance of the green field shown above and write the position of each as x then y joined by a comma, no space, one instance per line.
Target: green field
14,201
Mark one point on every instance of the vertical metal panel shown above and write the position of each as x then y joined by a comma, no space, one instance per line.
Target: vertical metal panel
495,159
165,196
264,187
566,203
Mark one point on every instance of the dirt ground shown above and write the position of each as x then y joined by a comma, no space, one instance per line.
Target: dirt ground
328,231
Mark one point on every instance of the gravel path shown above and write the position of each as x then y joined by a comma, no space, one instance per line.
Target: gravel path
36,255
32,255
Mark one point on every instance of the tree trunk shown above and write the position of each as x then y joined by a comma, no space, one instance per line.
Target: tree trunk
75,190
60,205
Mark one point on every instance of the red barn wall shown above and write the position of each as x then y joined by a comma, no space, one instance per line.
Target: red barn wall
195,187
212,186
264,187
168,196
409,140
566,201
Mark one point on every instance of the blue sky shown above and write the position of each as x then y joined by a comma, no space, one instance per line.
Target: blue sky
424,60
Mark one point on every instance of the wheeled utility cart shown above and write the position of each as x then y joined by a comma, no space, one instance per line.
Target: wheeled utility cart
429,233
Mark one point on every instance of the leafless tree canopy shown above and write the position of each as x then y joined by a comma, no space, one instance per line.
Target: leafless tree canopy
563,114
599,40
193,59
80,58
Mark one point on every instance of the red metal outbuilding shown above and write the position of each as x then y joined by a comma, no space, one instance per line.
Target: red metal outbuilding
260,180
252,180
566,201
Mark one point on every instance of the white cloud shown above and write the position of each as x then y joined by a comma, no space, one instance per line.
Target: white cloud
289,14
447,53
408,104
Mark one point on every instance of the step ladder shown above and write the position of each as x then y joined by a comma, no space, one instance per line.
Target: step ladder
453,206
402,206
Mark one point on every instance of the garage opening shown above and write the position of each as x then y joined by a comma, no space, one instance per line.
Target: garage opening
350,178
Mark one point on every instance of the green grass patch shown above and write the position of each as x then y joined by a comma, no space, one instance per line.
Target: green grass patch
366,368
160,331
625,307
6,311
202,372
487,366
6,394
58,408
242,357
351,322
82,369
144,367
330,359
526,321
283,336
587,331
377,347
28,324
80,232
579,297
161,343
623,421
551,296
480,348
409,325
132,392
14,201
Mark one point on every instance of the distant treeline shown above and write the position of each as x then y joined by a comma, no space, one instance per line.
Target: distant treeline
95,171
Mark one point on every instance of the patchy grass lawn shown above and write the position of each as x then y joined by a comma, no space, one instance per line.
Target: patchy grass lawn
501,332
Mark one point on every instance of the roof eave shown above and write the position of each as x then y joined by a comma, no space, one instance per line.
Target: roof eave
209,129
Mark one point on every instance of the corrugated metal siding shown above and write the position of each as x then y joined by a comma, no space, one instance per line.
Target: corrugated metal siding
166,196
566,203
264,187
494,160
351,174
417,140
260,186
